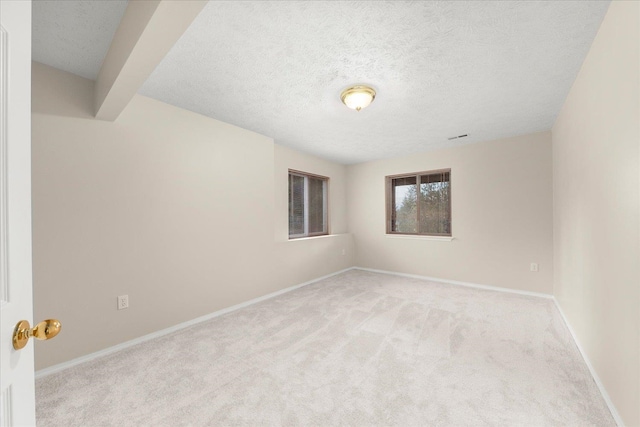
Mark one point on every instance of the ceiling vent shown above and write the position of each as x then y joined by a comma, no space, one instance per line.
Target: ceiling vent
458,137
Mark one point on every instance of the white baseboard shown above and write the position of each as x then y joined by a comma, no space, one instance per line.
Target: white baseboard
455,282
101,353
83,359
104,352
603,391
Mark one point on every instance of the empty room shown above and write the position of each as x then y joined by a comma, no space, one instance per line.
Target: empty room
319,213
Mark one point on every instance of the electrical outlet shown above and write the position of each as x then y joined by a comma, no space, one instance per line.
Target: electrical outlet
344,251
123,302
534,267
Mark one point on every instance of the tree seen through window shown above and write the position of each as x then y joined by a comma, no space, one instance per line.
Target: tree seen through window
424,211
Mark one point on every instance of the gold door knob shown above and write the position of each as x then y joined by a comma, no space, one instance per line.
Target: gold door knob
43,331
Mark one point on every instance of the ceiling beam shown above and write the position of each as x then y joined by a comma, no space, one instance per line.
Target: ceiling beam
148,30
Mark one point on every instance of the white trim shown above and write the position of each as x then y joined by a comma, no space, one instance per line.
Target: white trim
104,352
5,407
603,391
83,359
321,236
4,107
455,282
420,237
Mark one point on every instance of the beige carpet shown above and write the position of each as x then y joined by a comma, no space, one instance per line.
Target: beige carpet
357,349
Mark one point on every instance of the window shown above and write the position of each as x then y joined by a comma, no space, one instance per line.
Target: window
307,205
419,203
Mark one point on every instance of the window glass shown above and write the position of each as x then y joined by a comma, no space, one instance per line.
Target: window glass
435,206
307,205
419,203
296,204
405,209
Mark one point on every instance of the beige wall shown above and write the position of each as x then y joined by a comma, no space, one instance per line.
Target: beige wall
175,209
596,207
501,215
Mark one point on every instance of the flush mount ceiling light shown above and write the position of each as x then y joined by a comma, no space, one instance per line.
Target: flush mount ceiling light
358,97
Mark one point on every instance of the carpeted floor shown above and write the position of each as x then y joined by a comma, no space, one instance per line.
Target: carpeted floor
357,349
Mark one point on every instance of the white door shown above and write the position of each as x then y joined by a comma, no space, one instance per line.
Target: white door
17,404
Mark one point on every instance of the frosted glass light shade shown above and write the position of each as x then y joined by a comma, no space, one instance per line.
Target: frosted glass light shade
358,97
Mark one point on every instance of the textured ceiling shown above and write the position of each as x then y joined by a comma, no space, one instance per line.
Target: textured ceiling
74,36
489,69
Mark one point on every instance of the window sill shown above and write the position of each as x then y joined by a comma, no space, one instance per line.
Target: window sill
410,236
322,236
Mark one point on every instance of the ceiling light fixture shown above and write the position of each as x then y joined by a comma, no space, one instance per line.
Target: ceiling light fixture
358,97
